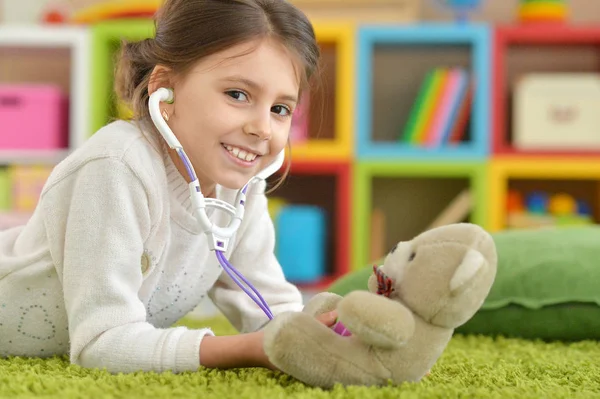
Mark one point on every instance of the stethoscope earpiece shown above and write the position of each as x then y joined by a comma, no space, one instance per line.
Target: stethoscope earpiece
165,95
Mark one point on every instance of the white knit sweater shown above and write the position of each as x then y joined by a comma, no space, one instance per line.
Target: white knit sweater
113,256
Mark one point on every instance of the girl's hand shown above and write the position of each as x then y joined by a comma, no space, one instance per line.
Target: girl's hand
327,319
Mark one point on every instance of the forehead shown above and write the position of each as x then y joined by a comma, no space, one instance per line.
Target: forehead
266,62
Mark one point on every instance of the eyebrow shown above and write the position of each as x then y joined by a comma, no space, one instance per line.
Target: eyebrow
255,86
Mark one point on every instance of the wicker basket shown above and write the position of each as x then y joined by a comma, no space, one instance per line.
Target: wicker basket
367,11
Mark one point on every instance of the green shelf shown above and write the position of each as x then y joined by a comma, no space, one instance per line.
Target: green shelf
106,39
399,184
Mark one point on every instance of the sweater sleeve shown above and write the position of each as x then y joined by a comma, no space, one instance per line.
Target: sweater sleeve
97,219
254,257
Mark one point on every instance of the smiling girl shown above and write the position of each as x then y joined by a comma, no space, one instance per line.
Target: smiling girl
113,255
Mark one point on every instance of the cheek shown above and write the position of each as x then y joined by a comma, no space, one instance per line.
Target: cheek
279,138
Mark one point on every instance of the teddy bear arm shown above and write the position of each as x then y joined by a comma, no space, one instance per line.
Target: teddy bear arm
376,320
302,347
322,302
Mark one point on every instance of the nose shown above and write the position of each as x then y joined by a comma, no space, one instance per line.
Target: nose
259,126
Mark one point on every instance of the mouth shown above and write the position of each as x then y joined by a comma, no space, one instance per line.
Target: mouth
385,285
241,155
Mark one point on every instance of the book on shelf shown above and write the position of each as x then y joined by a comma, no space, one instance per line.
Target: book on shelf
442,108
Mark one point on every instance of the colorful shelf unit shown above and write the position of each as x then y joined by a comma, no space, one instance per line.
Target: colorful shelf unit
326,184
551,174
402,55
388,177
520,50
357,163
60,56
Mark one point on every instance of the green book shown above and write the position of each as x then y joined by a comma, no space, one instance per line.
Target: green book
410,130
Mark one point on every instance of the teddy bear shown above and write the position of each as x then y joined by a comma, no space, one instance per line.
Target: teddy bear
400,326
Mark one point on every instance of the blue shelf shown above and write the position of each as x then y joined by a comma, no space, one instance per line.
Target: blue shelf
476,36
390,150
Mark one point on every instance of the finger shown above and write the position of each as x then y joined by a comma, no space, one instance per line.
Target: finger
328,318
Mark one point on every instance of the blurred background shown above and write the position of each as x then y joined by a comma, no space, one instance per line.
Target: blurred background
431,112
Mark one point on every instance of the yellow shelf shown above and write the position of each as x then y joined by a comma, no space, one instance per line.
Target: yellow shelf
340,148
501,170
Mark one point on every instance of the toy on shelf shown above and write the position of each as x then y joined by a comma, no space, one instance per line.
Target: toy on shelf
301,235
461,8
33,117
27,182
441,110
91,11
542,11
55,13
540,209
557,111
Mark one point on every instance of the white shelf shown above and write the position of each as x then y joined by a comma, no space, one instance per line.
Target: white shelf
50,157
77,39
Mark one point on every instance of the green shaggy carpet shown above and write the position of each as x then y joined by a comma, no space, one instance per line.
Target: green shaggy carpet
471,367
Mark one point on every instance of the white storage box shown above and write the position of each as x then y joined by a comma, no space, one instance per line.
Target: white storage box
557,111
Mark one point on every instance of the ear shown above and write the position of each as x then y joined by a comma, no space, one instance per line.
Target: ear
161,76
470,265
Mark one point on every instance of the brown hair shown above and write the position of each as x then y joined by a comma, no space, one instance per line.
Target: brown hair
188,30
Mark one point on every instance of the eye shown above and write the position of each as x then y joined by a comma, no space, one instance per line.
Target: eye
279,108
237,95
412,256
394,249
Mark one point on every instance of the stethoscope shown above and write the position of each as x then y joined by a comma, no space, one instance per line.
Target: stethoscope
218,237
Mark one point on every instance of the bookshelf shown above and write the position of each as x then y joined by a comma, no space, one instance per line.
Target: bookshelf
48,55
354,162
326,184
391,64
526,181
521,50
64,51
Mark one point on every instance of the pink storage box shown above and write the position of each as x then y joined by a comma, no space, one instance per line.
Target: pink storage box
33,117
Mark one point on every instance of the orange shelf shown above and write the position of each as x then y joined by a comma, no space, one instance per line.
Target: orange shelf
550,168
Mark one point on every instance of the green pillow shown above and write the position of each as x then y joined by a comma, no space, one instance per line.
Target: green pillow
547,286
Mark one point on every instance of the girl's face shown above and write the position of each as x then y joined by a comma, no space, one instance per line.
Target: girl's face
232,112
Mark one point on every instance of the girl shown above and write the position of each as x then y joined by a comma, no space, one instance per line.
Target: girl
113,254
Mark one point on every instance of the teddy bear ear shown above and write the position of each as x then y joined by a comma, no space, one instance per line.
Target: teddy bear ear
472,262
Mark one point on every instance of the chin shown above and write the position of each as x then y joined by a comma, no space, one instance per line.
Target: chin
234,182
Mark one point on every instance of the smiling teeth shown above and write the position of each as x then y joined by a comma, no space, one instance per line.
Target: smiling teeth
241,154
